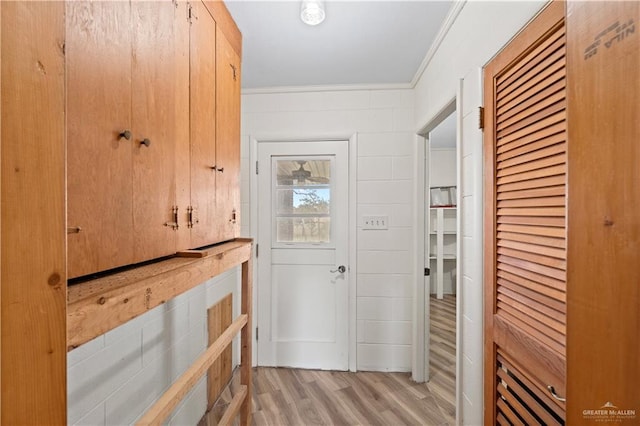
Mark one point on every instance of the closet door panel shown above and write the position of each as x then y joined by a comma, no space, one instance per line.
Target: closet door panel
203,126
154,122
227,137
99,193
525,221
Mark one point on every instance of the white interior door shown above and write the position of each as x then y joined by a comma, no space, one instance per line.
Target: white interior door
303,268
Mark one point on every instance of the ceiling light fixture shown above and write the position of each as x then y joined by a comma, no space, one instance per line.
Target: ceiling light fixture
312,12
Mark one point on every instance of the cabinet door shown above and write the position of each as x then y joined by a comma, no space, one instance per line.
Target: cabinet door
228,137
154,83
181,111
203,125
525,225
98,69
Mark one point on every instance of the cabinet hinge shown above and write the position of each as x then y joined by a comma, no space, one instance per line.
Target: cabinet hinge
189,13
256,167
481,118
427,272
256,334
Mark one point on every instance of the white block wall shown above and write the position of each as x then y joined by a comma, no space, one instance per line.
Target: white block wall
384,121
114,378
467,47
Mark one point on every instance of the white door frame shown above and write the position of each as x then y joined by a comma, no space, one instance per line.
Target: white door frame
351,137
421,326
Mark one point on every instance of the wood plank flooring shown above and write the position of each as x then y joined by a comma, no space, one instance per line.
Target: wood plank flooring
285,396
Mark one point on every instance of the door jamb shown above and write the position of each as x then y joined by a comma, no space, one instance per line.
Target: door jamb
352,138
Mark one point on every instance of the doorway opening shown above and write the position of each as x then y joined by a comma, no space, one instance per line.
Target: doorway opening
437,326
441,242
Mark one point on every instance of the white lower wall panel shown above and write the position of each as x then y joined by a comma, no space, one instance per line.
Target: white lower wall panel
115,378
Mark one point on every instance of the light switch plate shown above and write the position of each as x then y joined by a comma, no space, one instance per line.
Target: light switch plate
375,222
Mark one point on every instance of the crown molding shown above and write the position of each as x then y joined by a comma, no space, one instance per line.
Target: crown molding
455,10
326,88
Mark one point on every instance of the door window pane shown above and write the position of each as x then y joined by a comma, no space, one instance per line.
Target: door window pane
303,200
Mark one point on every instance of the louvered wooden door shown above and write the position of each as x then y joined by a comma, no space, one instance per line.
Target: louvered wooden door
525,225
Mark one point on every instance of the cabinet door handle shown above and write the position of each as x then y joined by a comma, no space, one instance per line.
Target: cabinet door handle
174,224
221,169
125,134
146,142
214,168
555,395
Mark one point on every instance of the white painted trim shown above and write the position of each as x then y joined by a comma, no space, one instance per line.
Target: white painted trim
459,242
451,17
326,88
253,213
353,252
420,355
352,138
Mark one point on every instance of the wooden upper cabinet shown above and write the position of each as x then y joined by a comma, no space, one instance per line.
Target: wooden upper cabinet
204,168
147,104
99,173
156,79
228,137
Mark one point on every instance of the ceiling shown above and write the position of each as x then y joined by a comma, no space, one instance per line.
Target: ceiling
359,43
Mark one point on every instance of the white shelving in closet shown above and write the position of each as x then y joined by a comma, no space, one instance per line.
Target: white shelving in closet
442,249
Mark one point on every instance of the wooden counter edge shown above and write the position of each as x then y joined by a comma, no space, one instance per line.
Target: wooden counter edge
109,307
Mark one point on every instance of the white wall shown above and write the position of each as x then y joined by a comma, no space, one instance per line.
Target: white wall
442,170
114,378
481,29
383,120
478,33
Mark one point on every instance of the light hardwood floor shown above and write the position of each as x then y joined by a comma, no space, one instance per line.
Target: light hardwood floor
285,396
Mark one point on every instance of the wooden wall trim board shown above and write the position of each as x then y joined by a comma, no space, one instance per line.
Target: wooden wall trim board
165,405
33,275
100,305
219,317
603,340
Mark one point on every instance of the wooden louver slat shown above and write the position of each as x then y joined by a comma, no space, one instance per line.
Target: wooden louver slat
527,285
515,72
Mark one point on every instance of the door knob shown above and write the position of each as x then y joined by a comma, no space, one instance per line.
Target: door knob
342,269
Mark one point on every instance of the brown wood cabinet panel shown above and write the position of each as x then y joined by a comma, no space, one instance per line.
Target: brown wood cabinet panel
155,80
99,173
227,137
204,168
603,339
32,200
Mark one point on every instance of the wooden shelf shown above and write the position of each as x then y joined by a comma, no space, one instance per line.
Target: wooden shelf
99,305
